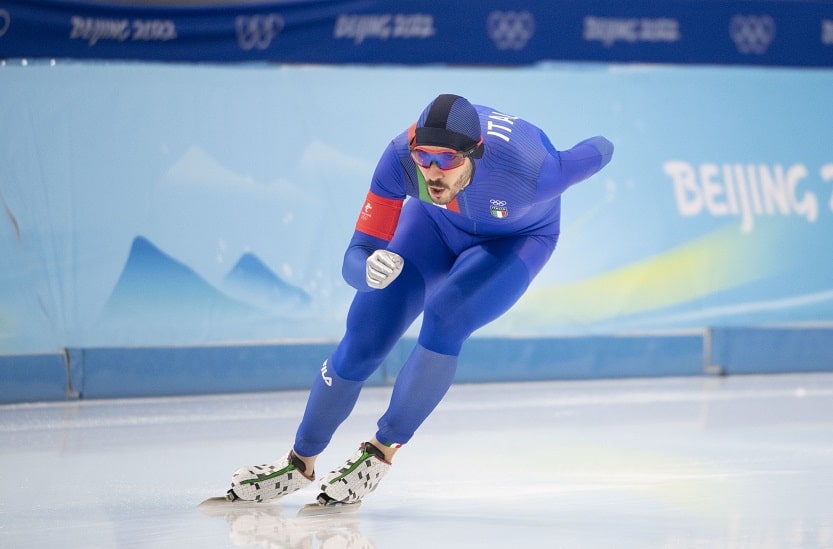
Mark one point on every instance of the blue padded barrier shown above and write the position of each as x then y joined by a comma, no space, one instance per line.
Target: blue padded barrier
168,371
164,371
592,357
772,350
33,377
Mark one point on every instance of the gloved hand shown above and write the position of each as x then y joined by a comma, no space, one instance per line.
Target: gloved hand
382,268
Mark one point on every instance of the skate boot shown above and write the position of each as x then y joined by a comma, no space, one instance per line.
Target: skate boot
356,478
271,481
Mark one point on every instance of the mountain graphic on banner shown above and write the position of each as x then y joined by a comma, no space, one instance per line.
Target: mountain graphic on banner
252,282
154,284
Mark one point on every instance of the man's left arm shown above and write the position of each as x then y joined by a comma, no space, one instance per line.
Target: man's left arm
562,169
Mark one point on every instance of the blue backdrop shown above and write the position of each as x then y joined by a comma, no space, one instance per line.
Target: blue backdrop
168,204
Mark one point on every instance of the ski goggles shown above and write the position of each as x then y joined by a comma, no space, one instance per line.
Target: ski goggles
445,159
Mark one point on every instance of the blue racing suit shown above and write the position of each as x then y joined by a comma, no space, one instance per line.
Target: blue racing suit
465,264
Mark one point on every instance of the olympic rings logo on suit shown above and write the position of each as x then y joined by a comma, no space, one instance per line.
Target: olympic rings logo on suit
257,31
498,208
5,21
510,30
752,33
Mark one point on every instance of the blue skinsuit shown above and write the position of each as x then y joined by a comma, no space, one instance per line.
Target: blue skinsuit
462,270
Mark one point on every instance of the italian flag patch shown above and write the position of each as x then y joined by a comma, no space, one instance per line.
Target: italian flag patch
499,211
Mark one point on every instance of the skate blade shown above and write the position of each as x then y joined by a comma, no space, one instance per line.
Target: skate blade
321,509
225,503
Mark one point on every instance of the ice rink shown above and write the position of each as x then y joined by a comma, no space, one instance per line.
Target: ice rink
705,462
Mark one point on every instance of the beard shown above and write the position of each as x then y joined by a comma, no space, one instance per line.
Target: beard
452,187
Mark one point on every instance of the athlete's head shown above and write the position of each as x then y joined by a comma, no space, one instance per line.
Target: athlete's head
444,137
450,121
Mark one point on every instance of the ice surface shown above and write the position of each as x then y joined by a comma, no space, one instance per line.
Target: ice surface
737,462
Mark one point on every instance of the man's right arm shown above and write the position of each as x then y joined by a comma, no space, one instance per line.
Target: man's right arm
354,267
377,220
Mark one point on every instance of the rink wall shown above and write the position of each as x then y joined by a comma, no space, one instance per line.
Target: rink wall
170,371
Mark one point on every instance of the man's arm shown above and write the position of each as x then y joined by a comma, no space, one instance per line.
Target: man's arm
565,168
377,221
354,267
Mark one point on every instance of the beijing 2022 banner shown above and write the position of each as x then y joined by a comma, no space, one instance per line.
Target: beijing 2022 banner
419,32
157,204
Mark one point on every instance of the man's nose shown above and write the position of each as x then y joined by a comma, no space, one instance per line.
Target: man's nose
434,171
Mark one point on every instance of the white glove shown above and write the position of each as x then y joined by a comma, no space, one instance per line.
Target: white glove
382,268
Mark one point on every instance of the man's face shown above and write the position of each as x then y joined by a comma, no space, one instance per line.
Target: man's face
444,185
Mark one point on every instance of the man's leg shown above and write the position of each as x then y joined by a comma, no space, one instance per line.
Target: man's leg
375,323
483,284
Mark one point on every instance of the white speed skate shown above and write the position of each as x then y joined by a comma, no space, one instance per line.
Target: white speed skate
271,481
359,476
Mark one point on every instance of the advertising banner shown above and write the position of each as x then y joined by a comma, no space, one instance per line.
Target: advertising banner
417,32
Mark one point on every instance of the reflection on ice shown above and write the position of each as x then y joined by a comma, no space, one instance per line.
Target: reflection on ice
267,526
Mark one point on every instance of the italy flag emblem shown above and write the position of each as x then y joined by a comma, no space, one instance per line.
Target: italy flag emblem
498,208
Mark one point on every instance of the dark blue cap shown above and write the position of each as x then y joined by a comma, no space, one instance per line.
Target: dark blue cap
449,121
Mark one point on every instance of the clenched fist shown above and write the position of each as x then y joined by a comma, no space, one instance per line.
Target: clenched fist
382,268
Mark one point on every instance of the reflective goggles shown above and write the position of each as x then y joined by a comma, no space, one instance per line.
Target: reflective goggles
445,159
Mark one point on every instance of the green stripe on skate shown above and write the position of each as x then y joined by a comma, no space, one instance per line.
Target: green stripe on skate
362,459
286,469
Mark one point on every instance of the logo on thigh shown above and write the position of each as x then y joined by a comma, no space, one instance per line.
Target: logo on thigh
327,379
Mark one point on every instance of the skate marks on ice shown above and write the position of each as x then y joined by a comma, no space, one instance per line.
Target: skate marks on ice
267,525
